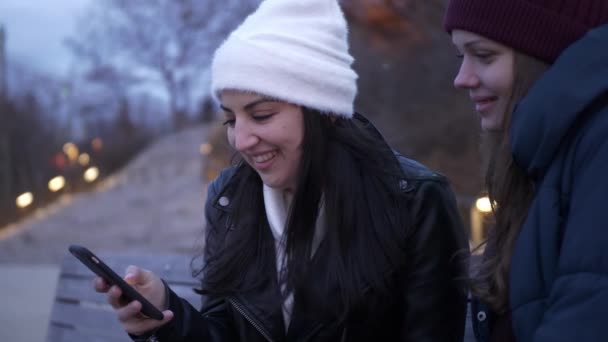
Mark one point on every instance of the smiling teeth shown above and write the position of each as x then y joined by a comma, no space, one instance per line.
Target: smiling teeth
263,157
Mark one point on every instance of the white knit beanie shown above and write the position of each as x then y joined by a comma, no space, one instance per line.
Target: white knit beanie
291,50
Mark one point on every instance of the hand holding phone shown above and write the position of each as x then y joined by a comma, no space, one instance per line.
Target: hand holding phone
96,265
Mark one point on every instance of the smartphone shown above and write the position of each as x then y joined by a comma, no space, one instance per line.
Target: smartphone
95,264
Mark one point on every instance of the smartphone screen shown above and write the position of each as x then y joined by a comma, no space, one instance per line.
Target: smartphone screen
96,265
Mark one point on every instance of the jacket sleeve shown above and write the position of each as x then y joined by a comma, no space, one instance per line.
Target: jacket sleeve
577,307
434,282
213,322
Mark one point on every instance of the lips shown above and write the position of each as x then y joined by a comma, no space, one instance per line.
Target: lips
483,103
263,161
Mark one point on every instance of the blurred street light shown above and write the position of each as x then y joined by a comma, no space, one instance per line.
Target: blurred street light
59,161
57,183
483,204
206,149
84,159
479,216
24,200
97,144
91,174
71,151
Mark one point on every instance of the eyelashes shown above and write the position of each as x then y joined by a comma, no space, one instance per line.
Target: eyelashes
256,118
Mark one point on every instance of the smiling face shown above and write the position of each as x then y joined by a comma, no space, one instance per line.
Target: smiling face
487,71
267,133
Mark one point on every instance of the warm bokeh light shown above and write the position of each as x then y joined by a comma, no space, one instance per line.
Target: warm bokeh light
97,144
57,183
84,159
206,149
483,204
212,174
91,174
59,161
71,150
24,200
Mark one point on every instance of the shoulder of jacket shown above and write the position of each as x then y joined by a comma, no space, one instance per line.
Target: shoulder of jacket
415,173
217,191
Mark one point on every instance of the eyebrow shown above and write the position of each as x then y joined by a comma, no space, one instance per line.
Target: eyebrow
250,105
472,43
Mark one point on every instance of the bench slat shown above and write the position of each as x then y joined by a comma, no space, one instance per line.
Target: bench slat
93,318
81,314
60,334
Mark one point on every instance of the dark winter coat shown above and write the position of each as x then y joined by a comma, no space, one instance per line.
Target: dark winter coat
559,268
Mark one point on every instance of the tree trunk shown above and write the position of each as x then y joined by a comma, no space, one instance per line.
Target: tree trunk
180,118
5,169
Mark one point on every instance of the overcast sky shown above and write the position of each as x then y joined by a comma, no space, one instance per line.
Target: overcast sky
36,30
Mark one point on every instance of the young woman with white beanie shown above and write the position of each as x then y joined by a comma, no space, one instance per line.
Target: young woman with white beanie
321,232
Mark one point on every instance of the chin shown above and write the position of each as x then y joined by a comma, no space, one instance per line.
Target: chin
490,125
273,183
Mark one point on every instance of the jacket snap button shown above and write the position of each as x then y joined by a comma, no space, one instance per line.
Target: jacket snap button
402,184
224,201
481,316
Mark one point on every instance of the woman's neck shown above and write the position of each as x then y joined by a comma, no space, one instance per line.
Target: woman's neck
287,197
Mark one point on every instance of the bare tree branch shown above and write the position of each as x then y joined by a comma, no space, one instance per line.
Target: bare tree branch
169,42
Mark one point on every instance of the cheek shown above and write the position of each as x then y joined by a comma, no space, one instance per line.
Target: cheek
230,136
495,121
291,138
299,137
506,84
505,76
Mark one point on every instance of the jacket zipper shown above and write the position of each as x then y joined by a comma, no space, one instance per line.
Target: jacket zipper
344,334
257,326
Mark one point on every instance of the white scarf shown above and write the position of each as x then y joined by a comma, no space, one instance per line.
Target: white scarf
275,204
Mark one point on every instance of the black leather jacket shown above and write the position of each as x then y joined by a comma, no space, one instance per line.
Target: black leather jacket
431,305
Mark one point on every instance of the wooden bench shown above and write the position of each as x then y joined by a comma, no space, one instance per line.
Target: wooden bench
81,314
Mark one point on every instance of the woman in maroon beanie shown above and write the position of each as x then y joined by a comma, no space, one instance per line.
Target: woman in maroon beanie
537,73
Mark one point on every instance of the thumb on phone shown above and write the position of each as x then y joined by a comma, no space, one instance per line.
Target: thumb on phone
148,284
138,276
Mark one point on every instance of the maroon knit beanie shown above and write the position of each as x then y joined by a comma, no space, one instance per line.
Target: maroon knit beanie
539,28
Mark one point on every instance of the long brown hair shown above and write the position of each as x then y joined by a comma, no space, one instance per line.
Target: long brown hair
510,191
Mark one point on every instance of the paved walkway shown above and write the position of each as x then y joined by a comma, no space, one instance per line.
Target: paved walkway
154,205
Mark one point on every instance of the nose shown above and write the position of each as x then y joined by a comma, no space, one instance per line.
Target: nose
243,136
466,77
